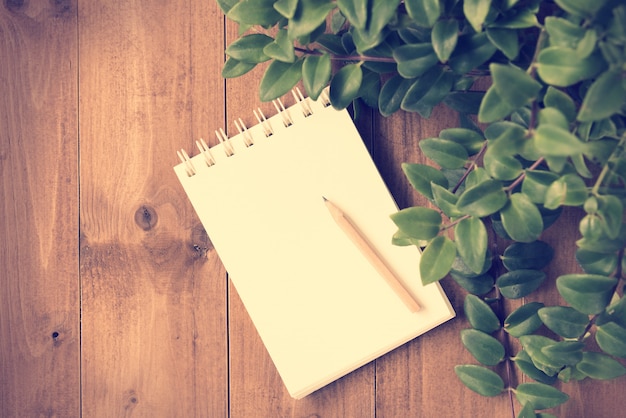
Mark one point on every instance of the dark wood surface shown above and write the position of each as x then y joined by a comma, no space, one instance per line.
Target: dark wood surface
114,303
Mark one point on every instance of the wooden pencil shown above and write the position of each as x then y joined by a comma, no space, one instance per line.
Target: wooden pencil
355,235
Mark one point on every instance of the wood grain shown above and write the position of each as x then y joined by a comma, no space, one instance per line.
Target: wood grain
39,283
114,302
153,300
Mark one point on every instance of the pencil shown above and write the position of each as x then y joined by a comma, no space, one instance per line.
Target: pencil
371,254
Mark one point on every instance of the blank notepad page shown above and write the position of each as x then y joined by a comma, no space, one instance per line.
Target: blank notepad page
319,306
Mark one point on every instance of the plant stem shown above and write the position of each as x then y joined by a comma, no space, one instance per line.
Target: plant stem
521,177
471,167
605,168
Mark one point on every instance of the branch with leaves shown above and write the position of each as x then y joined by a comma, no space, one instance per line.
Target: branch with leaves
554,138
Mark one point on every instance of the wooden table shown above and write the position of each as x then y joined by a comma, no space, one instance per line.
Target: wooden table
114,304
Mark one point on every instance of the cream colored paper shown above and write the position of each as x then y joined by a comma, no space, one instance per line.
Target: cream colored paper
319,306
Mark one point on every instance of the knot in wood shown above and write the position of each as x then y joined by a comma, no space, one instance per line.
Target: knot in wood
146,217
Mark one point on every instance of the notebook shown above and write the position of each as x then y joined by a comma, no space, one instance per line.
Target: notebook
319,306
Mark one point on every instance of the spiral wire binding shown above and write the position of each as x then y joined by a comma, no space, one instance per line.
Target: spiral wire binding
184,157
247,136
248,139
205,150
284,113
265,124
225,141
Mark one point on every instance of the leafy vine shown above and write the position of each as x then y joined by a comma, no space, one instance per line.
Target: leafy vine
551,134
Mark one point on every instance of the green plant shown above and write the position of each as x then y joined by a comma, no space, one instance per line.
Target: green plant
554,137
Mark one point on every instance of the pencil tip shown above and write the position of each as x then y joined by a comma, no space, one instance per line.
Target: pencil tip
324,197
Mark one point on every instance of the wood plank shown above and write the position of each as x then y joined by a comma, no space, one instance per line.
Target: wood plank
39,313
154,312
255,386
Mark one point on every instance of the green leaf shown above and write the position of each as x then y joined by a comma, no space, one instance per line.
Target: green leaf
401,239
603,246
570,373
493,107
446,153
562,32
569,190
445,200
427,91
355,11
370,88
533,345
392,94
540,395
234,68
483,199
596,263
249,48
604,98
475,12
332,43
485,348
414,59
226,5
287,8
536,183
437,259
561,101
477,176
514,85
279,78
471,140
615,312
583,8
480,315
564,320
528,411
281,49
611,338
382,11
467,102
501,166
524,320
421,177
470,52
521,218
600,366
566,352
525,364
418,222
345,85
519,283
522,19
309,15
506,40
462,269
610,211
563,67
552,140
424,12
316,71
476,285
254,12
480,379
470,235
444,38
587,44
587,293
534,255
